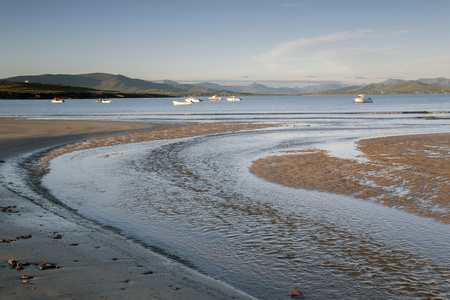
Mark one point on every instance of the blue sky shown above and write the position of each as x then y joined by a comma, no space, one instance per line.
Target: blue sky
269,41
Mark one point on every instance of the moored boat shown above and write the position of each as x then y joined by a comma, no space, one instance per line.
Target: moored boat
362,99
192,99
215,98
233,98
181,103
57,100
106,101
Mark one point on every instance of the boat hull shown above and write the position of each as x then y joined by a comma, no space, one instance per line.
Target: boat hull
362,99
181,103
193,100
215,98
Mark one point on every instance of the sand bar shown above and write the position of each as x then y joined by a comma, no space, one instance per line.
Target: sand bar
410,173
85,260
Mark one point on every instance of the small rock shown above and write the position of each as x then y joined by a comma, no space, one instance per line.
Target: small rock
12,262
296,293
47,265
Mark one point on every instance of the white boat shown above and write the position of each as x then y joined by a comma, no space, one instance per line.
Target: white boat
106,101
192,99
215,98
232,98
57,100
361,99
181,103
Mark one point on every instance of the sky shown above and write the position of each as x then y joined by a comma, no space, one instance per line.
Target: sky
276,42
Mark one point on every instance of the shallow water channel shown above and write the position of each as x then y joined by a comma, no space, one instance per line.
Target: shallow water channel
196,199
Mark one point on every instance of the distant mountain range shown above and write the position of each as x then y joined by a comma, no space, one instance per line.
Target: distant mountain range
36,90
110,82
120,83
256,88
394,87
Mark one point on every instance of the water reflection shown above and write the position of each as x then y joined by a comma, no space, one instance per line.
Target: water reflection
196,199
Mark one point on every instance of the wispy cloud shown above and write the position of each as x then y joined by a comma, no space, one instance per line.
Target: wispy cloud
308,48
338,53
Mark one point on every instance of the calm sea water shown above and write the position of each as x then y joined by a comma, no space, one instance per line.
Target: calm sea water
196,199
249,107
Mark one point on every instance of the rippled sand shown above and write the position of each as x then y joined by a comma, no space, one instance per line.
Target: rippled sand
311,249
160,133
411,173
99,263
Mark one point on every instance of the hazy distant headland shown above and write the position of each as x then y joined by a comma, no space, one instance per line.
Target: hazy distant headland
103,85
35,90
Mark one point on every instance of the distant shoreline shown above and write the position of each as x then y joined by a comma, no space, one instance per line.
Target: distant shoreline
123,95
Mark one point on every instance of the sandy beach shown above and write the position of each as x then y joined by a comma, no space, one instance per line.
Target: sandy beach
410,173
49,255
45,255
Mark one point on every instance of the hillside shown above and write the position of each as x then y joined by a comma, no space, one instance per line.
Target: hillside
104,81
406,87
34,90
110,82
123,84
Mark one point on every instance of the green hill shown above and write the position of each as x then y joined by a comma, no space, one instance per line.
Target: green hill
407,87
129,87
110,82
34,90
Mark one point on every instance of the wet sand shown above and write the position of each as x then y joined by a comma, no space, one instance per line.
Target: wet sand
47,255
410,173
91,262
20,136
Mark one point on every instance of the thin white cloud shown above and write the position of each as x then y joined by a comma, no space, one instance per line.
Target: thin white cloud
338,54
307,48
